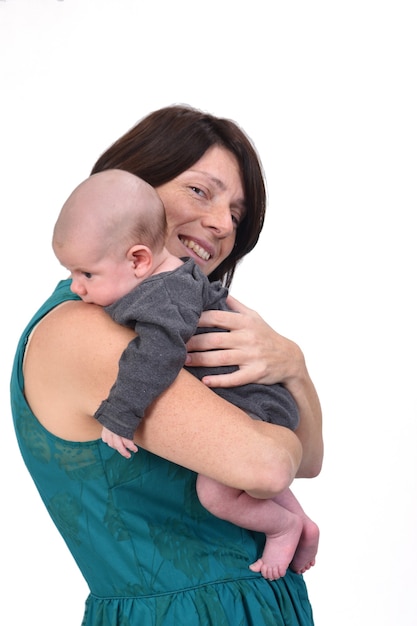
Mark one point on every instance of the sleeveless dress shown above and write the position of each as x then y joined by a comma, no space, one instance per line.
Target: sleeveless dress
149,552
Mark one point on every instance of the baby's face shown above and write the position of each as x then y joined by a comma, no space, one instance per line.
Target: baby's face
99,281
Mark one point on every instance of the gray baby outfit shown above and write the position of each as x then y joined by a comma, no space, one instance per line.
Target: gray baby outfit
164,311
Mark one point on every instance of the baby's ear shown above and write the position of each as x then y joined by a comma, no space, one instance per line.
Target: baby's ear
141,259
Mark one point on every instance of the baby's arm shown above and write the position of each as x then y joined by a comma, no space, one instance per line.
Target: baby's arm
164,320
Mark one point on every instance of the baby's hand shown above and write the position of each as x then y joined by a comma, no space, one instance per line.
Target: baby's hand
121,444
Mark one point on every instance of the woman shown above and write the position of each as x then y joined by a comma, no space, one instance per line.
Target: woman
149,552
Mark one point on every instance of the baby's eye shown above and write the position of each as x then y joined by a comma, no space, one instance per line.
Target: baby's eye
87,274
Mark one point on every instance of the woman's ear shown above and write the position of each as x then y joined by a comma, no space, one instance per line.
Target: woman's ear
141,258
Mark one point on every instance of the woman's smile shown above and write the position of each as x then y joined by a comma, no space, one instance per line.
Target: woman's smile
196,248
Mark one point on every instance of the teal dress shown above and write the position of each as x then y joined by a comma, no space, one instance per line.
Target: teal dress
150,553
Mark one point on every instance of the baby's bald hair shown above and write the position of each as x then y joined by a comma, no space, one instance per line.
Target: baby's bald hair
118,208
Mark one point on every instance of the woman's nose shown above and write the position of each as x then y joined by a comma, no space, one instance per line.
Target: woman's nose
220,219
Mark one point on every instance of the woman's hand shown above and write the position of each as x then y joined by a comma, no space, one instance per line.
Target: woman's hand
262,355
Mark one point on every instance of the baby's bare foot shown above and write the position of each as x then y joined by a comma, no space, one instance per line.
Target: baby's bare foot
305,554
279,551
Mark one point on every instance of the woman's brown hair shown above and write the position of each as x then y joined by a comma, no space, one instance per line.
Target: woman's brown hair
169,141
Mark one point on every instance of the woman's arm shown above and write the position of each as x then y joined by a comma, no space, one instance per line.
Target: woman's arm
265,357
71,363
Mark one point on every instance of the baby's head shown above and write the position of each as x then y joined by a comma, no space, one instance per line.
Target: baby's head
105,217
112,207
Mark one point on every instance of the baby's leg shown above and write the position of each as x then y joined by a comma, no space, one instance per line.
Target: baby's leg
281,527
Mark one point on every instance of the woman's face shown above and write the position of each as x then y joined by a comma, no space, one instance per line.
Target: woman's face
204,206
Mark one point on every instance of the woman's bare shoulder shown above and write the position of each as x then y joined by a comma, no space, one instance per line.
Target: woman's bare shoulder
76,326
71,362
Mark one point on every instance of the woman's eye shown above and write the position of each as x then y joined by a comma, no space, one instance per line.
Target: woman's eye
197,190
237,219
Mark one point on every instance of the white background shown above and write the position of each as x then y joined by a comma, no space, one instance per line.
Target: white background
327,91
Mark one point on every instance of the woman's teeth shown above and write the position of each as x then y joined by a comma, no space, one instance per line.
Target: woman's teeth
189,243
